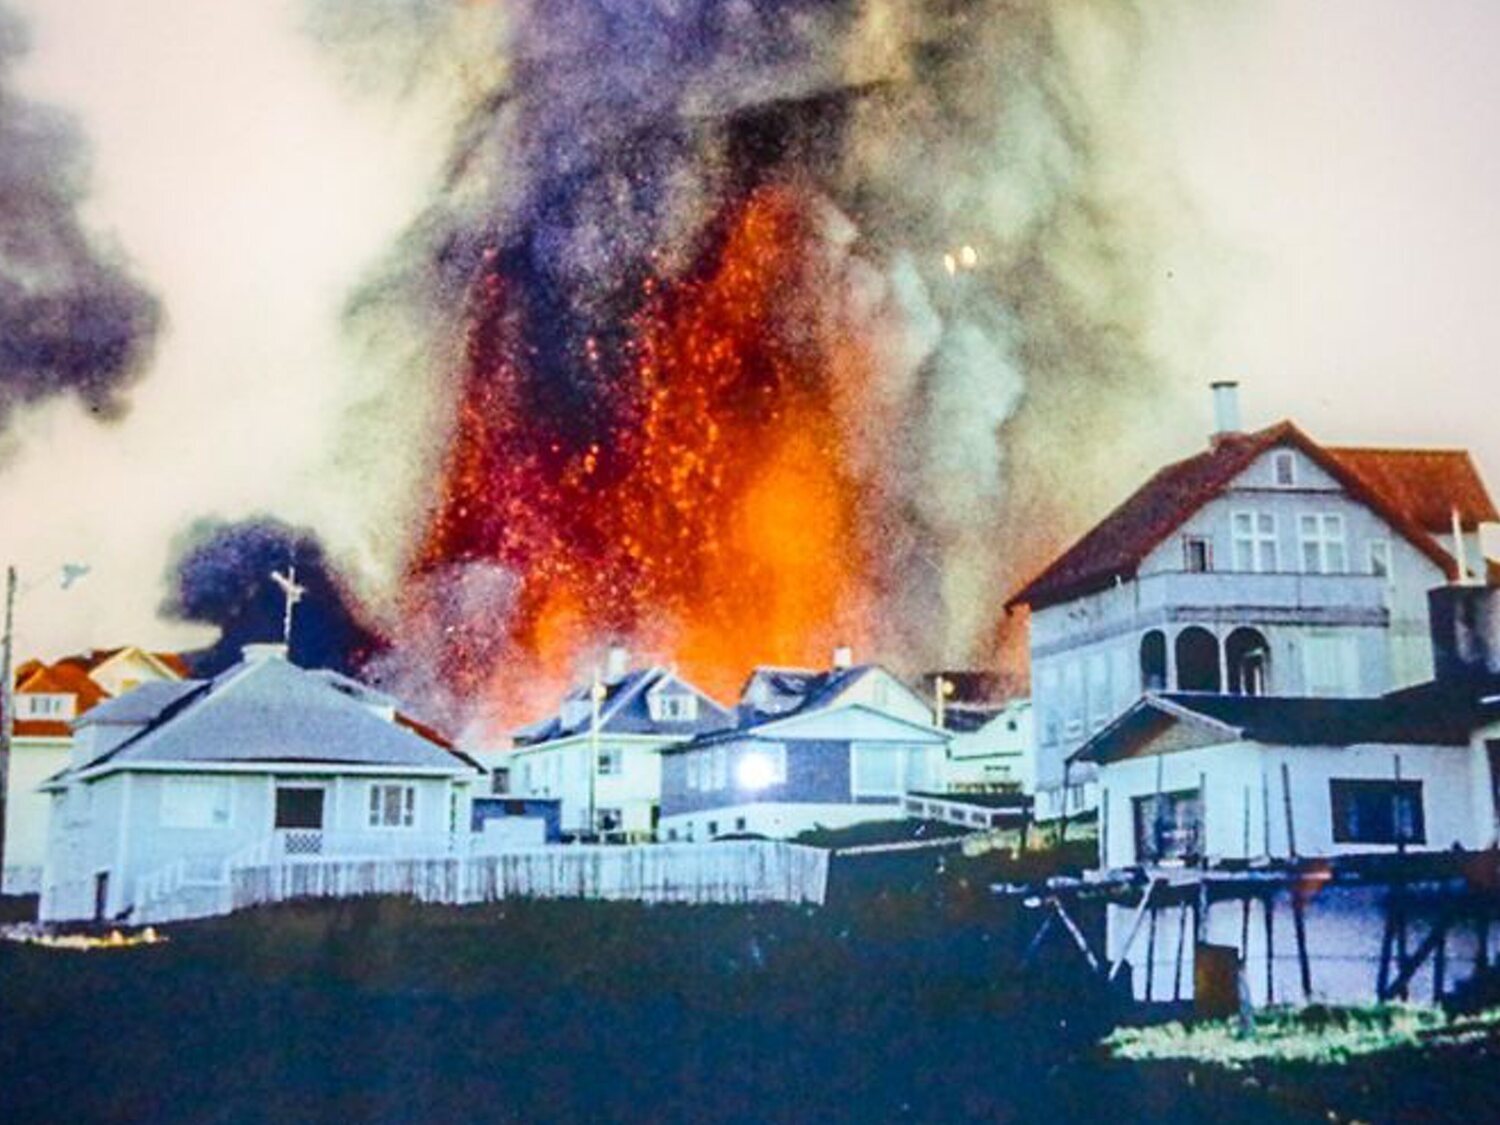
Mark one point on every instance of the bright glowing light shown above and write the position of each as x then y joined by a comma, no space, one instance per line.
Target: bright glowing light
969,257
755,771
950,263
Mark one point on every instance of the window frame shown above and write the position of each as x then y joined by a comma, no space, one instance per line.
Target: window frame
1262,546
376,806
1288,459
1345,795
1386,568
1322,541
1206,543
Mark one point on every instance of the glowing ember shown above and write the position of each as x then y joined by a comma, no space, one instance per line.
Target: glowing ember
710,517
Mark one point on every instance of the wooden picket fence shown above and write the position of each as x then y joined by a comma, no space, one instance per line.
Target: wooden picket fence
740,871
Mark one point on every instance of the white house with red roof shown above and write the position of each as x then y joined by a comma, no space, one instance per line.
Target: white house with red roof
1267,564
48,698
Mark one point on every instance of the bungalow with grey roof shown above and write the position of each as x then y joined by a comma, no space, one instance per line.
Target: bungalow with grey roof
172,783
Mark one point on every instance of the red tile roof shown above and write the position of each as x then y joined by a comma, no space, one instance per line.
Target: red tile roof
70,675
1425,484
1119,542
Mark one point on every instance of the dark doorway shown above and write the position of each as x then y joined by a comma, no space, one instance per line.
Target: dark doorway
101,896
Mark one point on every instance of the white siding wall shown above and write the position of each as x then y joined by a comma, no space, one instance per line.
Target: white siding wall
561,770
1453,806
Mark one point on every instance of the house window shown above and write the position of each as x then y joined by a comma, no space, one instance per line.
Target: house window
609,762
739,824
1168,826
1322,540
45,706
1154,661
694,771
393,806
720,761
713,829
677,707
299,806
1377,812
1380,557
1286,468
1254,535
500,780
1197,554
191,802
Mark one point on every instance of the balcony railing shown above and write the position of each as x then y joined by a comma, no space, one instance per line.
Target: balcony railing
1247,590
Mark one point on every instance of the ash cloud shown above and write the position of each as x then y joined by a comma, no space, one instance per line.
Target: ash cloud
72,317
993,236
221,576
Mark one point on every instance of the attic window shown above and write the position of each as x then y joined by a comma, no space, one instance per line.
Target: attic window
674,708
1286,468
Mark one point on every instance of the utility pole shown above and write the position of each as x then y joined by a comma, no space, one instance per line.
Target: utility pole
596,697
8,705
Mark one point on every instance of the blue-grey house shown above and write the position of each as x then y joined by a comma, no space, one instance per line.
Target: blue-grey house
811,749
1268,564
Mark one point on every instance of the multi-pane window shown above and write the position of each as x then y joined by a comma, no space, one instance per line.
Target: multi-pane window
609,762
393,806
886,771
1322,540
1377,812
1254,535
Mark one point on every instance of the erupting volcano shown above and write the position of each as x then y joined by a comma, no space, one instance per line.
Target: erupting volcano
738,313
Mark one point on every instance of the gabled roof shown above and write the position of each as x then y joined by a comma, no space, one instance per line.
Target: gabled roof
1429,720
270,711
1426,485
61,678
772,692
1121,541
773,728
625,709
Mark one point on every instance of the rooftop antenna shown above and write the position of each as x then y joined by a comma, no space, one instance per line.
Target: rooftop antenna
292,593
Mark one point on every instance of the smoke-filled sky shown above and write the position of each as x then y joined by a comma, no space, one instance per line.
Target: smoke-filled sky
303,194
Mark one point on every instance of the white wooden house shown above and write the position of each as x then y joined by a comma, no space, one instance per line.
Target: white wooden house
1268,564
48,699
599,753
1197,778
173,783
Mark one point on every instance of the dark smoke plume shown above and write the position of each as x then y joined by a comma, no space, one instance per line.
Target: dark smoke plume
222,576
72,319
968,298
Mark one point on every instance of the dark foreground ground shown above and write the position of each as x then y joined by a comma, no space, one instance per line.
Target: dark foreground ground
902,1000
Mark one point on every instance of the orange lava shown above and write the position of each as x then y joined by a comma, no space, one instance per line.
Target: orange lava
708,517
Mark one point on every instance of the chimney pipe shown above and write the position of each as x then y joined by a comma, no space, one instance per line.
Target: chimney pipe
843,657
1226,408
255,653
616,663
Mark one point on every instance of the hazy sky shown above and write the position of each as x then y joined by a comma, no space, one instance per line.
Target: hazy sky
1340,157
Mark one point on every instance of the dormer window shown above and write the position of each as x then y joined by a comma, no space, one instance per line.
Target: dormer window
1285,464
674,707
1197,554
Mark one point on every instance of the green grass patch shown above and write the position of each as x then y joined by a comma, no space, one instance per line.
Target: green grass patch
1318,1034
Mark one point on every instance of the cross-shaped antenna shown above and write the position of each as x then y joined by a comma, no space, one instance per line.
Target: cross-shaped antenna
293,594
